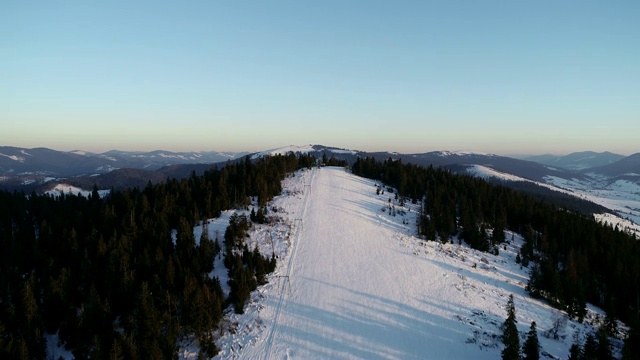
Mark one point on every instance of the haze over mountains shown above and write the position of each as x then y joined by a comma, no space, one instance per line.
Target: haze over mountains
42,161
577,160
45,161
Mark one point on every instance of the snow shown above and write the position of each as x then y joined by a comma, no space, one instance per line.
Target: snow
111,158
54,349
284,150
621,196
462,153
625,225
106,168
485,172
68,189
216,228
194,156
467,152
355,282
343,151
13,157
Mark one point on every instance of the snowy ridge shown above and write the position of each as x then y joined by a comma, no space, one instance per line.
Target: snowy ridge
194,156
284,150
72,190
361,285
13,157
111,158
343,151
625,225
462,153
485,172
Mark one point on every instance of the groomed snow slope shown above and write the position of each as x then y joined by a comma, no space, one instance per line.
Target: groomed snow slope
361,286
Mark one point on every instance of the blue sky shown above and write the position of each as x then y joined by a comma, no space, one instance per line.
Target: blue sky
504,77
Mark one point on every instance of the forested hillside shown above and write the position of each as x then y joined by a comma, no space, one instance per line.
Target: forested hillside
575,259
108,275
122,277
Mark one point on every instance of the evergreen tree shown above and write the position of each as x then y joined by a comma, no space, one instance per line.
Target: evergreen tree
206,252
631,348
116,351
531,347
260,267
510,337
575,351
610,324
590,348
604,345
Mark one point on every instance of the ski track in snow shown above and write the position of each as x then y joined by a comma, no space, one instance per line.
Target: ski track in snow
287,280
361,285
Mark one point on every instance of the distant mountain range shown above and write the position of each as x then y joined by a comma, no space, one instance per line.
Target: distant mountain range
41,169
577,160
47,162
28,169
43,161
450,159
626,167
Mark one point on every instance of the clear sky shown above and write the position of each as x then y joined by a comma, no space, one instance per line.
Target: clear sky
410,76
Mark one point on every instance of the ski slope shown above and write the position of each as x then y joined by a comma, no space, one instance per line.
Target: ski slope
355,283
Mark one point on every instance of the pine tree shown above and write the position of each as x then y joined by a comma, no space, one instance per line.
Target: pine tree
631,344
610,324
206,252
116,351
604,345
575,351
510,337
590,348
260,268
531,347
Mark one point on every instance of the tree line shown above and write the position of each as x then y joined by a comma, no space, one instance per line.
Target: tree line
123,277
